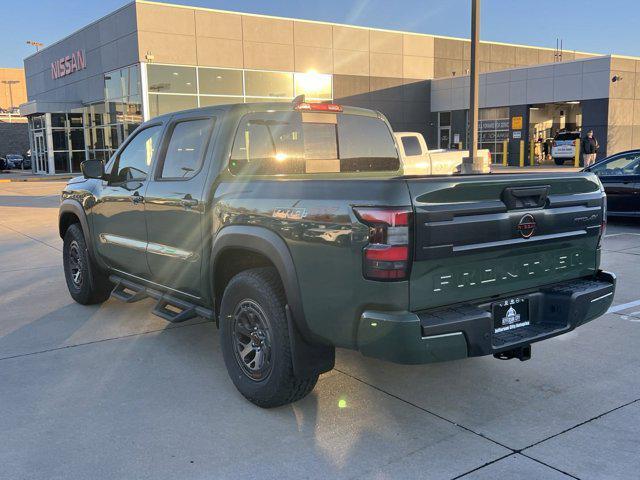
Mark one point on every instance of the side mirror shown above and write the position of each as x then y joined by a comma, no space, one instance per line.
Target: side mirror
92,169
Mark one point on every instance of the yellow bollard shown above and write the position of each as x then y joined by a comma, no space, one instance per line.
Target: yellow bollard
522,153
532,148
576,160
505,152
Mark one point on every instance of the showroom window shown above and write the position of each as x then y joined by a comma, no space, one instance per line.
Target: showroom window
173,88
171,79
68,142
268,84
161,104
314,86
220,81
109,123
493,130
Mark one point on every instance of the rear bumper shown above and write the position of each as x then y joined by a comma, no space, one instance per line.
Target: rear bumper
467,330
564,154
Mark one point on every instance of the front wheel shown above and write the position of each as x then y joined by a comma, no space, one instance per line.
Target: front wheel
255,340
86,283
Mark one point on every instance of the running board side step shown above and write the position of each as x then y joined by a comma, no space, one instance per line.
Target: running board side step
172,309
128,292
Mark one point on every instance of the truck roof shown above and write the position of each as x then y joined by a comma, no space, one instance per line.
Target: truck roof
244,108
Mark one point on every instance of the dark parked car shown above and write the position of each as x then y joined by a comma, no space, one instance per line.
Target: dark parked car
620,175
14,160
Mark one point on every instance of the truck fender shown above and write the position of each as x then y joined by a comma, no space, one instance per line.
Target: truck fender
267,243
74,207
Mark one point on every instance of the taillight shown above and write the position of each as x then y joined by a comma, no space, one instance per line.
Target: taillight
387,255
554,144
603,225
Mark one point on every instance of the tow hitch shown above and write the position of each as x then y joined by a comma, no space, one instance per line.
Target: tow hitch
521,353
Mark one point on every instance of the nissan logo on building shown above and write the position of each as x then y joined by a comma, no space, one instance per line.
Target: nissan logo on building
527,226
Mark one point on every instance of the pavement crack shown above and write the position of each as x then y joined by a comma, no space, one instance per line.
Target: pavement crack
549,466
579,425
482,466
29,236
171,327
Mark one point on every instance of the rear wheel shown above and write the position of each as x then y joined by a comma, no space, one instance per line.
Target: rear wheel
559,161
255,340
86,283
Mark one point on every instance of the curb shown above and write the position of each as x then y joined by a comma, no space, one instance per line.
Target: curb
36,179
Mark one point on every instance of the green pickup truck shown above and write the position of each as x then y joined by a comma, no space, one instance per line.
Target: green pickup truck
294,228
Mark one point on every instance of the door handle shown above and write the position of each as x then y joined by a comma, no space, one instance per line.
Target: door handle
188,201
136,198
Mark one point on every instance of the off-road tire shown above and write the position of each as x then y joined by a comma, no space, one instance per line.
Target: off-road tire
262,288
92,286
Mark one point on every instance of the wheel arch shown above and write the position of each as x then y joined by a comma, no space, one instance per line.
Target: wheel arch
71,212
310,356
269,246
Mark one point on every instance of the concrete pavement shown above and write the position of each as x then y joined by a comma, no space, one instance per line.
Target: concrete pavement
112,391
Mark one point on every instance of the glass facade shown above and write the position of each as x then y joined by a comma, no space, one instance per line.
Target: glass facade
107,124
64,140
493,126
67,134
173,88
94,131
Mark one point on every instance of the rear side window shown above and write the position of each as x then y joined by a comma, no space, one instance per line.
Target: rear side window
567,136
185,150
411,146
274,143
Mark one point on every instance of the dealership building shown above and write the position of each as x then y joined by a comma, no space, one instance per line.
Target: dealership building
90,90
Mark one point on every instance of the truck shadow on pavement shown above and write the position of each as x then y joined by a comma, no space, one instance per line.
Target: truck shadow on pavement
111,372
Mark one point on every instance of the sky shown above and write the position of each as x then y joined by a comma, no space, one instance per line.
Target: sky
596,26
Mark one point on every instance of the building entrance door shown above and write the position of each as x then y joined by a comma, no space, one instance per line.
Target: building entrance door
40,153
445,137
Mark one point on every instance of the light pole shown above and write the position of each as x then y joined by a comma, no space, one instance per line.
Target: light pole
33,43
10,82
473,164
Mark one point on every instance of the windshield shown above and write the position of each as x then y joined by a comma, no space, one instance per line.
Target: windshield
272,143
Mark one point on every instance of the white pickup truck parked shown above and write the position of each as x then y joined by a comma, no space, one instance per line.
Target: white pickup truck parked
417,159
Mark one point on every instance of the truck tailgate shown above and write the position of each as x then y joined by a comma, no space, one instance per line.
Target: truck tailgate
477,237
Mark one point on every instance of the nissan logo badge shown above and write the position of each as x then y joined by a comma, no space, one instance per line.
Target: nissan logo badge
527,226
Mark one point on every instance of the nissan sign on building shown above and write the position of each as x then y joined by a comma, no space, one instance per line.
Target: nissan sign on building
64,66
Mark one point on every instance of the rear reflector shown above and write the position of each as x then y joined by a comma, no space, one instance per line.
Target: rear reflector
318,107
387,253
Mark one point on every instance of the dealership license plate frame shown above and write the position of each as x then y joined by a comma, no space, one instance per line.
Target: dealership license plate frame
506,321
